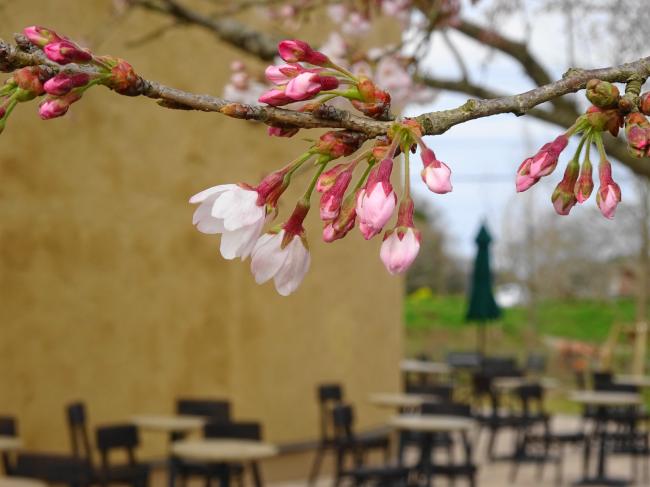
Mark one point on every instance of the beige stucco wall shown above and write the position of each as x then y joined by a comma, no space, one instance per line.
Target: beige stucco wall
108,294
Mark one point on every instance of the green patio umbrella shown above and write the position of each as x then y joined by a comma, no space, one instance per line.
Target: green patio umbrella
482,306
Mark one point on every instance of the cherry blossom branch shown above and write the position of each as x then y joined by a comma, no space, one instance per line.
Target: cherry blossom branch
433,123
564,117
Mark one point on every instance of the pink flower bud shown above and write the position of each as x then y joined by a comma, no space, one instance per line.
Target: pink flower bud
53,107
524,179
376,202
281,75
275,98
124,79
40,36
563,197
609,193
28,80
435,174
584,184
303,86
327,178
330,203
64,52
339,143
295,51
63,83
282,132
344,222
545,161
401,245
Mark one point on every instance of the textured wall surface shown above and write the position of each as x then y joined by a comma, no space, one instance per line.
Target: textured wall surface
108,294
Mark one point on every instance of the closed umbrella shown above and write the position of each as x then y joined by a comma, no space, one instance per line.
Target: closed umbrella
482,306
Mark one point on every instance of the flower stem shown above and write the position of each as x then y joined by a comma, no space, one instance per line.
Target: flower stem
601,147
365,174
306,199
407,175
343,71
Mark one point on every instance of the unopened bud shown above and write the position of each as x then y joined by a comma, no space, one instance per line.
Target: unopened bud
644,103
602,93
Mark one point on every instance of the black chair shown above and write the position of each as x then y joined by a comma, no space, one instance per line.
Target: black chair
464,360
243,430
8,427
494,418
442,392
350,447
210,409
534,439
79,437
535,363
53,468
122,437
452,469
328,396
500,367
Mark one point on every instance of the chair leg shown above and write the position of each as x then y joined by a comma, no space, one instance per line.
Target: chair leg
315,467
491,443
257,475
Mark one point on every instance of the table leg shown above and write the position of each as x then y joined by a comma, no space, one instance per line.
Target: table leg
257,475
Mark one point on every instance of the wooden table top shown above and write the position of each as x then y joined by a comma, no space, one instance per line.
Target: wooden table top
424,367
432,423
605,398
634,380
400,399
21,482
9,443
509,383
168,423
223,450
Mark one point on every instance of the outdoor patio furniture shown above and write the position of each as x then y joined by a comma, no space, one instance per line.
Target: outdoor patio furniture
349,446
603,401
442,420
219,452
125,438
400,400
167,423
464,360
21,482
79,438
8,436
53,468
328,396
535,442
208,409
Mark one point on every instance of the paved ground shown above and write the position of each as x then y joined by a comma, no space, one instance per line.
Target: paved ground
292,470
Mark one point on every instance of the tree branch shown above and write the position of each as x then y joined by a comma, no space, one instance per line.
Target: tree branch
228,30
433,123
563,117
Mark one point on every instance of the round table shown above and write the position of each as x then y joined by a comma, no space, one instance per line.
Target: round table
634,380
429,424
507,384
10,443
603,400
400,400
424,367
225,451
21,482
168,423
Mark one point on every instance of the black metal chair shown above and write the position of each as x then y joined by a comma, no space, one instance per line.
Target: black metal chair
53,468
350,447
8,427
452,469
79,438
210,409
534,439
122,437
328,396
243,430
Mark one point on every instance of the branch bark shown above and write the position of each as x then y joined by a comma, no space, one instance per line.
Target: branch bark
433,123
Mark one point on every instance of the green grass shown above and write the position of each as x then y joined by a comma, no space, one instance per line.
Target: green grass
587,320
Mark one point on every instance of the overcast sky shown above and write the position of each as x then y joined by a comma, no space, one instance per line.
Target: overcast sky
485,154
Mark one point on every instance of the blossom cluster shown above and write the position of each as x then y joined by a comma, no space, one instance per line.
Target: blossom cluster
309,74
239,212
609,112
59,88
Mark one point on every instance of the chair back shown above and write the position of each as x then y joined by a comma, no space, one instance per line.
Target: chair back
53,468
78,428
8,427
464,360
329,396
443,392
500,367
613,387
602,380
343,422
536,363
446,409
531,398
212,409
245,430
117,437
